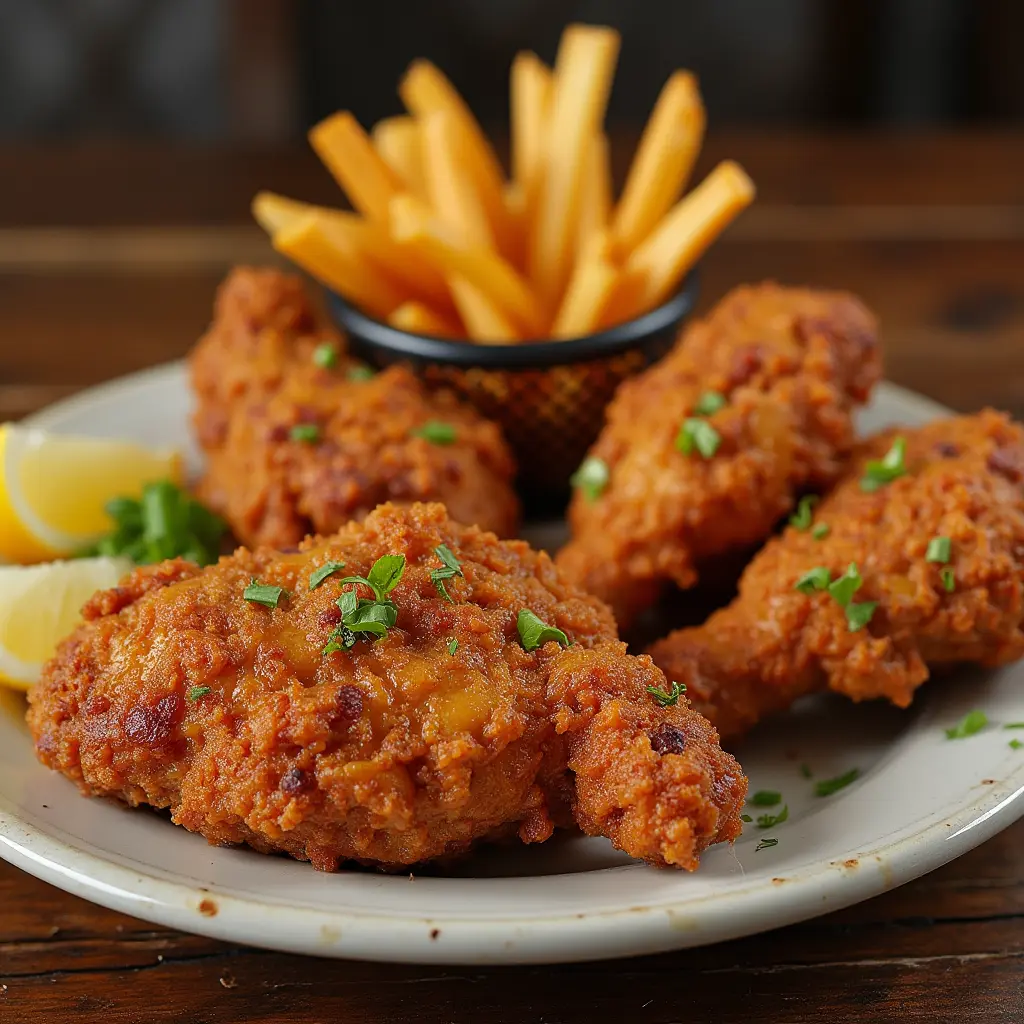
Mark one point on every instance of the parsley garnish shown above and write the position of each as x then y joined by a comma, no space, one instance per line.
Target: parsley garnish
450,567
667,698
263,593
972,722
938,550
436,432
374,615
325,570
844,587
1015,744
766,844
812,580
698,435
453,645
765,798
360,373
858,614
591,478
326,356
829,786
746,818
533,632
892,465
821,531
164,523
805,771
803,517
307,433
195,692
948,578
770,820
1014,725
709,403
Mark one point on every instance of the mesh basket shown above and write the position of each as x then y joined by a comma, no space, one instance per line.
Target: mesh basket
548,397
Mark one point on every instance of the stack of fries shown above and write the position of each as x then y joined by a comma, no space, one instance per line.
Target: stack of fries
442,244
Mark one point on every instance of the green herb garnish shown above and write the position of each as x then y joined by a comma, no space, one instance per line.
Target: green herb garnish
1015,744
307,433
821,531
533,632
770,820
844,587
765,798
326,355
698,435
972,722
325,570
709,403
263,593
948,578
436,432
829,786
892,465
805,771
450,567
667,698
453,645
360,373
374,616
858,614
1014,725
939,549
746,818
591,478
766,844
163,523
812,580
803,517
195,692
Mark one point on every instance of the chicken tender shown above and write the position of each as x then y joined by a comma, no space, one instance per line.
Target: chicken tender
702,454
933,562
295,445
387,695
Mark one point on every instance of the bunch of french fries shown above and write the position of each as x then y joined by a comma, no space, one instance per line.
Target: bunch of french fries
442,244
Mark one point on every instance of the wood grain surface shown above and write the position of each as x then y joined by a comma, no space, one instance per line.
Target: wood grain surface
108,261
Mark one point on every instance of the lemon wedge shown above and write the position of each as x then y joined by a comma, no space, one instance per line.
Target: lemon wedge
40,605
53,488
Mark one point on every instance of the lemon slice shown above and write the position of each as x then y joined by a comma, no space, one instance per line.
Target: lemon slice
40,605
53,488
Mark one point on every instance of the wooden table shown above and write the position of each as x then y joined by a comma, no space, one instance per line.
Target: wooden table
108,260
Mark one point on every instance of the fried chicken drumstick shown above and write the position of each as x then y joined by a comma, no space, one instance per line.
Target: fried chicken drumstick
702,454
922,566
295,445
274,700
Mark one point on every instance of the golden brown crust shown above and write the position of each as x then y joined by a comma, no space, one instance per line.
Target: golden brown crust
389,753
774,643
793,364
255,379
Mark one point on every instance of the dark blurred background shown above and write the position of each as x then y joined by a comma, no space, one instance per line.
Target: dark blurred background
264,70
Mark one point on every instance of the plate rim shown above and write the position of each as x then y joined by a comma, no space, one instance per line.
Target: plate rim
447,938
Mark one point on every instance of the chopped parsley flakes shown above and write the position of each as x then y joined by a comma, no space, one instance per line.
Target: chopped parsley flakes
973,722
821,531
450,568
709,403
307,433
892,465
829,786
803,517
591,478
939,549
325,570
812,580
436,432
771,820
196,692
766,844
948,578
373,616
667,698
698,435
263,593
453,645
765,798
326,355
534,632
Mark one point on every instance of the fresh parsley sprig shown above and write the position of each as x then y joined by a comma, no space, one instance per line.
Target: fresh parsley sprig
450,568
373,616
892,465
670,697
535,632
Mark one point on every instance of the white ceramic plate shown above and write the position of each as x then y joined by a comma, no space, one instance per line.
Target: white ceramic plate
921,800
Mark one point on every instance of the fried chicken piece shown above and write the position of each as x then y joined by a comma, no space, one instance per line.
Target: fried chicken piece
792,365
964,482
359,442
179,693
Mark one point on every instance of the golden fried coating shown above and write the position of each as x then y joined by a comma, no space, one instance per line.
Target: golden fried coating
776,643
792,365
179,693
358,442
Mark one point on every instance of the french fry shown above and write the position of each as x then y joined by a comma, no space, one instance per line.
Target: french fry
398,142
519,224
274,213
450,188
333,257
484,322
662,164
421,319
593,280
484,269
424,89
583,74
530,96
687,230
349,155
595,194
